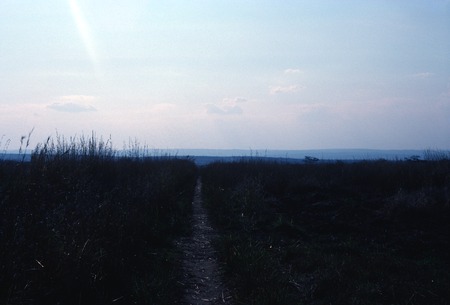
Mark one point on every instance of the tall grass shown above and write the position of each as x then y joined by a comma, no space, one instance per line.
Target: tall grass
4,146
371,232
79,225
436,155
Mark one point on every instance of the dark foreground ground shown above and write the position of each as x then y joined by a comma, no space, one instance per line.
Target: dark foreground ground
373,232
80,226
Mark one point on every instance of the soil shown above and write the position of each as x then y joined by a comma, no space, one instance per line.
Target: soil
202,274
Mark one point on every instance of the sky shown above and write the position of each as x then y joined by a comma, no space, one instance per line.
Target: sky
218,74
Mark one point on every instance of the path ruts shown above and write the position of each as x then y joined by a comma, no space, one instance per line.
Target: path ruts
202,280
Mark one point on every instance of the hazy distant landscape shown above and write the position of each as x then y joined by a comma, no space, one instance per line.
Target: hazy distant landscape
205,156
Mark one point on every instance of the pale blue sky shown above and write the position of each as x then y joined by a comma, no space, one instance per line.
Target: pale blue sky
228,74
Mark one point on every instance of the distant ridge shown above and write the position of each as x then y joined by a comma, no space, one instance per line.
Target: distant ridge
321,154
15,156
205,156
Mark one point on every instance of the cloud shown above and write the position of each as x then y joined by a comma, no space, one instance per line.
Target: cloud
71,107
163,108
223,110
292,71
285,89
228,106
234,100
423,75
73,104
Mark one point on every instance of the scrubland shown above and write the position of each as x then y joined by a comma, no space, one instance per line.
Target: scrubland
369,232
80,224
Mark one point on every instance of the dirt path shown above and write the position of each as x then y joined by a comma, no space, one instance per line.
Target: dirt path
202,280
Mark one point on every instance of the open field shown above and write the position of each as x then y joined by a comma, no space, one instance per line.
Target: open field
373,232
80,225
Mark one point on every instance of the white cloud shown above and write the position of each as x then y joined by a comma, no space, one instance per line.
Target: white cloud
223,110
228,106
292,71
73,104
163,108
71,107
423,75
285,89
234,100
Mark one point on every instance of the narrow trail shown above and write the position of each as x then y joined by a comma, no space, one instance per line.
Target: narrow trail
202,279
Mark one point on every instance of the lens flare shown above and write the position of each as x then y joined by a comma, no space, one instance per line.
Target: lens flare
84,31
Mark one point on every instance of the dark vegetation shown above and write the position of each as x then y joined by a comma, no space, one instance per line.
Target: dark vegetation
78,225
370,232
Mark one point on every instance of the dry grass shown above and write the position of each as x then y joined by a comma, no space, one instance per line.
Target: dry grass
372,232
79,225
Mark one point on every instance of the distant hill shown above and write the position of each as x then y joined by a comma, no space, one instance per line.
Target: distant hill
205,156
209,155
15,156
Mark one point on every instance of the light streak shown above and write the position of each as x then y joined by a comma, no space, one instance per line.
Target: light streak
84,31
